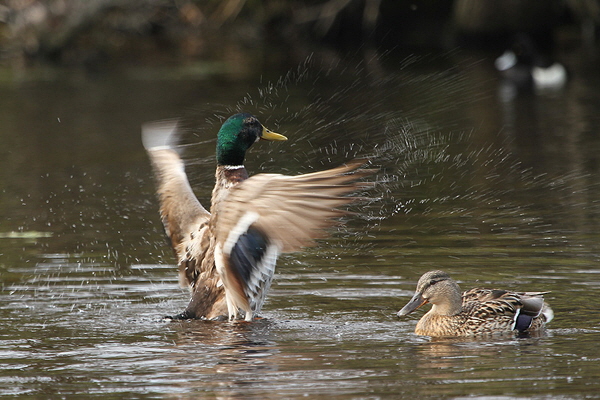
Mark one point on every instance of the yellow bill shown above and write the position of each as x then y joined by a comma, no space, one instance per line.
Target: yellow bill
268,135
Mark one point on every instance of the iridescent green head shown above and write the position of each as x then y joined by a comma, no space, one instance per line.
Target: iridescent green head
236,136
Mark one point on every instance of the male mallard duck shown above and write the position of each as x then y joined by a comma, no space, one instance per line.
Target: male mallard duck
228,256
477,311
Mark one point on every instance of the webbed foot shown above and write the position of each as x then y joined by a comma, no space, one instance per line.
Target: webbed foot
180,317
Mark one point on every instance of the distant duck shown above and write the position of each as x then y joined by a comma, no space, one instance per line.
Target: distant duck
227,256
523,65
476,311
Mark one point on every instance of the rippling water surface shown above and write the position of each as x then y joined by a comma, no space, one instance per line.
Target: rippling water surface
495,187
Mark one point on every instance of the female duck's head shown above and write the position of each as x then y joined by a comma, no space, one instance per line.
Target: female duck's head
236,136
437,288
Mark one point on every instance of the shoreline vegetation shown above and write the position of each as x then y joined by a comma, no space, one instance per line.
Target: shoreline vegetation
100,33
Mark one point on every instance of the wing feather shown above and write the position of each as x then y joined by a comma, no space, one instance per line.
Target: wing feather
184,218
268,214
304,205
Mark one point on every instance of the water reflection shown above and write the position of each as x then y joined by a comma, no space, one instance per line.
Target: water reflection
231,355
244,360
479,365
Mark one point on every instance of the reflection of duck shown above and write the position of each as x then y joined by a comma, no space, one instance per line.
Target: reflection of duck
477,311
228,256
523,65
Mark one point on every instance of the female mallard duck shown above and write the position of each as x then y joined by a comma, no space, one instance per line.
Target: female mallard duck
477,311
227,256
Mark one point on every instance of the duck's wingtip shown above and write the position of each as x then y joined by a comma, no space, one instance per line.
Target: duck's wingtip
157,135
358,167
356,163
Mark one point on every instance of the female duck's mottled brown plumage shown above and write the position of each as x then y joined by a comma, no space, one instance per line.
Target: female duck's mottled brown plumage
476,311
227,256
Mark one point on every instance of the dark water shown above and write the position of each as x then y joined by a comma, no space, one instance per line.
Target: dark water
496,188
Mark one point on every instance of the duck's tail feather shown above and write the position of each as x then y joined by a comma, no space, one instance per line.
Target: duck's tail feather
533,307
547,313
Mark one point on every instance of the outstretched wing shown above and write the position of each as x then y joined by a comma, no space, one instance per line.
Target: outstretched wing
182,214
269,214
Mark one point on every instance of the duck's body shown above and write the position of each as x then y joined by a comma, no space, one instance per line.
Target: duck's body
475,312
227,256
